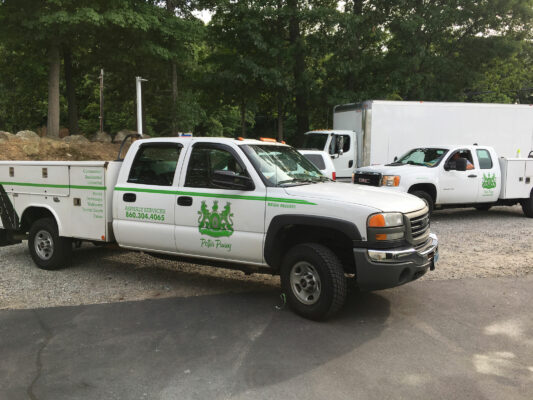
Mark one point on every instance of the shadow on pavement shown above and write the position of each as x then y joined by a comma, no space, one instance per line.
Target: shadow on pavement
186,347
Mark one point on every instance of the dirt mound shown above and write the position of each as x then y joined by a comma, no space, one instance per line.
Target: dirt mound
57,150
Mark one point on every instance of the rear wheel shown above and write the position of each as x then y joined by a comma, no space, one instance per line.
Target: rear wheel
47,249
527,206
313,279
426,197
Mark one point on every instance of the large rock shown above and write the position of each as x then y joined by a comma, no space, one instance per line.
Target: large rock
78,139
121,135
27,135
102,137
31,149
6,135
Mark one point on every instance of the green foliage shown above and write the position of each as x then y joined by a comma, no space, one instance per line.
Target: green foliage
293,57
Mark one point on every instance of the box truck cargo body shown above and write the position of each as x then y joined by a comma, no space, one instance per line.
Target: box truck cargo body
388,129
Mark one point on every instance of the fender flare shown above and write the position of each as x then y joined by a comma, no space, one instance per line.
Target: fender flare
273,257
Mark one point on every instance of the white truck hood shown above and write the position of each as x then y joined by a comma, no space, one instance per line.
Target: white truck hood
395,169
378,198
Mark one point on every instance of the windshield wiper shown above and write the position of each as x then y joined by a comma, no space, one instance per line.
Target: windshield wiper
394,163
296,181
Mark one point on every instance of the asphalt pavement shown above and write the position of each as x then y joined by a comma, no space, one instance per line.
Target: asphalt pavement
455,339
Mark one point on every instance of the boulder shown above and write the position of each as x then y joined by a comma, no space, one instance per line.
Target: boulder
27,135
119,137
31,149
6,135
79,139
102,137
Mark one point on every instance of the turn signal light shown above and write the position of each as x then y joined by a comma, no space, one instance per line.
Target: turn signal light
376,221
267,139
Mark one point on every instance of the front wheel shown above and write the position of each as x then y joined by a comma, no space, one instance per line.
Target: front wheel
426,197
47,249
313,279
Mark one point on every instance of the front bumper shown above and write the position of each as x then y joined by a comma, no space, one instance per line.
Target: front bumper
382,269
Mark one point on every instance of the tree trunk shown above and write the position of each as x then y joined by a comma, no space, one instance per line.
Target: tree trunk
71,94
174,97
52,127
171,9
300,87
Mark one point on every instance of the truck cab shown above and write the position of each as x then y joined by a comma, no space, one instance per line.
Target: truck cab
341,145
453,176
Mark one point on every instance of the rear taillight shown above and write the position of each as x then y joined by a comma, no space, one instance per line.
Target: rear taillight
334,175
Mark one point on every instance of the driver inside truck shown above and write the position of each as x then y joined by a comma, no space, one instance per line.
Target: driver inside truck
458,155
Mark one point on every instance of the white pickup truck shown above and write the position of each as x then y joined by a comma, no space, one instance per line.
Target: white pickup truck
247,204
456,176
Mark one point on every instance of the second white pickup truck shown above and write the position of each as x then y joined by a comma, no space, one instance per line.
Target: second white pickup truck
248,204
456,176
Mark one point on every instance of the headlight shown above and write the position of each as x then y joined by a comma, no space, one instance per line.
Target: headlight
390,180
385,227
385,220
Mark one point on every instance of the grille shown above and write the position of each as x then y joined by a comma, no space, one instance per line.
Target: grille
418,232
367,178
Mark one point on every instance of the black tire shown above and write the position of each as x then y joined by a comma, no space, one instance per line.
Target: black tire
426,197
527,206
332,282
48,250
483,207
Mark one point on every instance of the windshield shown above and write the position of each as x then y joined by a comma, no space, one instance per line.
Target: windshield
283,165
427,157
315,141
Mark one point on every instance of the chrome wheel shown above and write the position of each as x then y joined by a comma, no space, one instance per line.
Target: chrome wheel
305,282
44,245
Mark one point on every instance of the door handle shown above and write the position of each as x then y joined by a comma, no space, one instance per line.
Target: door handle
350,164
184,201
472,176
129,197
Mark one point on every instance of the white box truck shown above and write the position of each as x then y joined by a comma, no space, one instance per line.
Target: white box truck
260,206
374,132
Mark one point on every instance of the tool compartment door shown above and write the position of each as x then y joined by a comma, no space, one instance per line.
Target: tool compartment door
87,204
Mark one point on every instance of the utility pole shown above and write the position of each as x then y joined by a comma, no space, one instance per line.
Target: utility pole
102,100
138,81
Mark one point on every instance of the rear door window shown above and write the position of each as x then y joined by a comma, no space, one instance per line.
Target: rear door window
485,160
155,164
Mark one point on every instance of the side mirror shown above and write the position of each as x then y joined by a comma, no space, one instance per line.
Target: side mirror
341,152
230,180
460,164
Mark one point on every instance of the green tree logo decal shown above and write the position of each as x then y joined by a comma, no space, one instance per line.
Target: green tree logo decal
214,223
489,182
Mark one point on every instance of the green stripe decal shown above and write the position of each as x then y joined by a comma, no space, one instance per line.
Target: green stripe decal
218,196
52,186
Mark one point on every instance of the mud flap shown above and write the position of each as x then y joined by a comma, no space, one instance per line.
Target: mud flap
9,218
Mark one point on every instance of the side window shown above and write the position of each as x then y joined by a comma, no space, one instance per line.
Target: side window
485,160
346,145
461,154
204,161
155,165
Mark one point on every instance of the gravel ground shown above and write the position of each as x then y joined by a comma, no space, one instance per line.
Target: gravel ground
472,244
